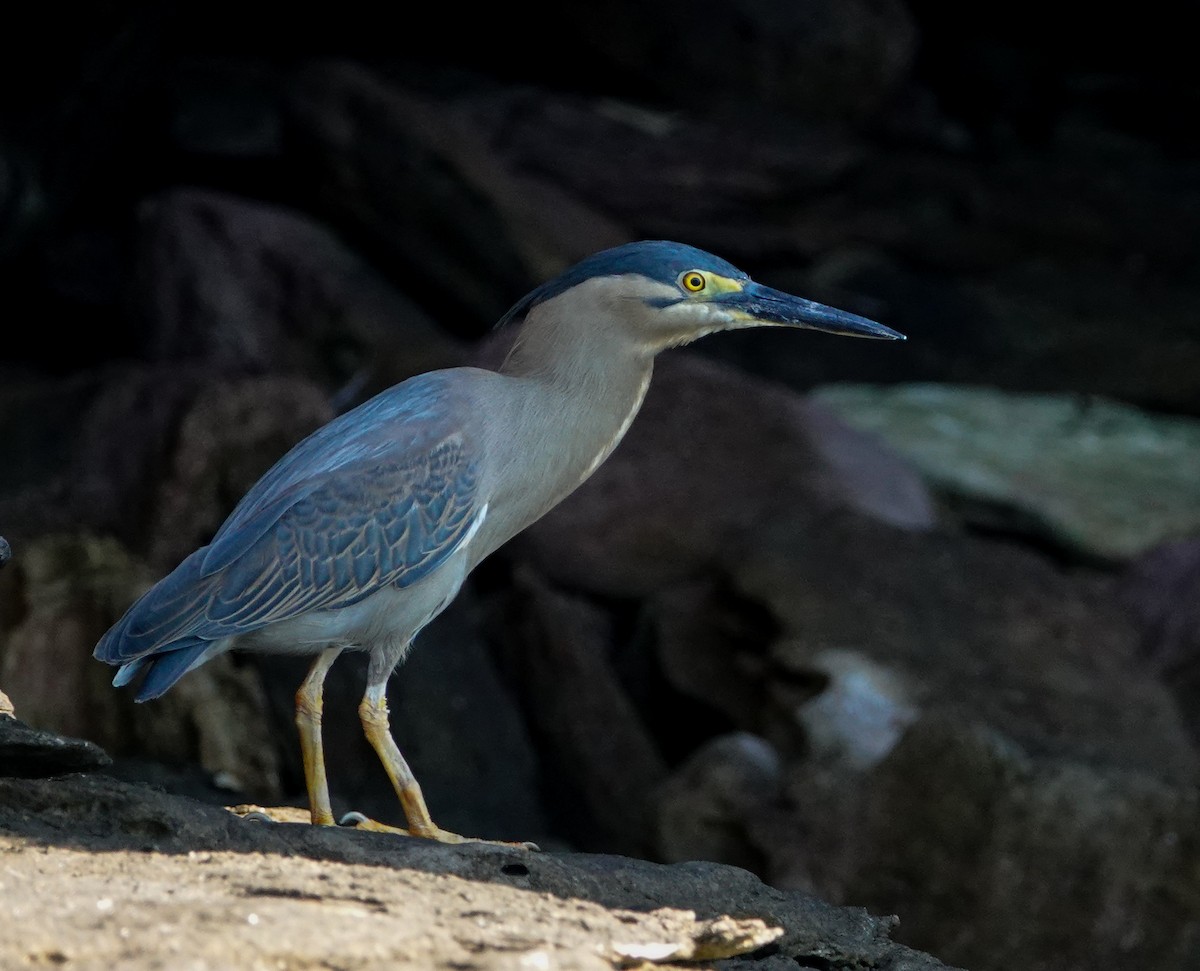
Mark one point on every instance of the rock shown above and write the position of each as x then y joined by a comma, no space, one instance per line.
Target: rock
703,811
229,109
226,888
860,712
671,502
62,470
597,750
663,173
69,590
5,551
191,441
1040,748
972,628
855,54
1162,592
463,229
1078,475
252,288
711,646
229,434
1001,857
31,753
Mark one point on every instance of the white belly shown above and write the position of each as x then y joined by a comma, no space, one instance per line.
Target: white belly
389,618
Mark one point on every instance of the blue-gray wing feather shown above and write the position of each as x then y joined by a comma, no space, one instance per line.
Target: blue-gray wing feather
380,496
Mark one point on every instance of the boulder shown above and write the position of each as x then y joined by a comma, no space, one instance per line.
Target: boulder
250,288
65,592
1100,480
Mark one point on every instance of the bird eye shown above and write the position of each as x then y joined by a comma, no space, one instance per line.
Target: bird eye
693,281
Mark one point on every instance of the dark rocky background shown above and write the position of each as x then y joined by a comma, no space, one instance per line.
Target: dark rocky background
924,648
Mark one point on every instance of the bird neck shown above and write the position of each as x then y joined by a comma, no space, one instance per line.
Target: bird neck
579,388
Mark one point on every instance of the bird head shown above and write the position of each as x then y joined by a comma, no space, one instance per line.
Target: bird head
663,294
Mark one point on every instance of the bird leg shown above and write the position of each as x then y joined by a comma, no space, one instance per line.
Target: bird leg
373,711
308,720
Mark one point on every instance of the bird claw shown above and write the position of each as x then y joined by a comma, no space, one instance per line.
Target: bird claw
276,814
358,821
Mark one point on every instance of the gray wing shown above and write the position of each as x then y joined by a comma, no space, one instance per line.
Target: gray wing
380,496
388,522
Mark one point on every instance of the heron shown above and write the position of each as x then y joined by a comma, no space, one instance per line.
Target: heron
366,530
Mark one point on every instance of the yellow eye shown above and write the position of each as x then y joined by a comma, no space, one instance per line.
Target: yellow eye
693,281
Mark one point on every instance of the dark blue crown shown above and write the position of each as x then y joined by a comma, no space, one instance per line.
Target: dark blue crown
657,259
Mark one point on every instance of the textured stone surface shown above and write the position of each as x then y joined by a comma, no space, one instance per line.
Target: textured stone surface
26,751
228,435
1100,479
183,878
416,175
1012,856
66,591
1162,593
855,54
704,810
984,630
250,287
601,761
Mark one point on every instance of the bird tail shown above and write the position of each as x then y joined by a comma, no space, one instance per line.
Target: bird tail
164,634
163,668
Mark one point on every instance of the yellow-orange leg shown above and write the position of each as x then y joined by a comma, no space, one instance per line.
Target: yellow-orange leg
373,711
308,720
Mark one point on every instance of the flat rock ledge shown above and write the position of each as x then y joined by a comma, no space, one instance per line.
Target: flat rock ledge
102,873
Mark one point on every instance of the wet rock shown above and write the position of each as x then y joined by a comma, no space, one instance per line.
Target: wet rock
250,288
31,753
1101,480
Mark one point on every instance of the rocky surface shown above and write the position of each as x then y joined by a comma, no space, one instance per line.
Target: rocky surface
757,635
1162,592
26,751
55,602
1098,479
99,873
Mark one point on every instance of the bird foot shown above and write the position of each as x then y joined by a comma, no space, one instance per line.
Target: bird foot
359,821
275,814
